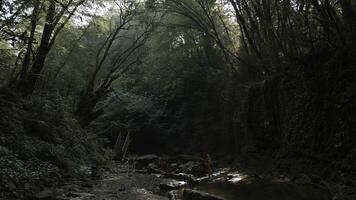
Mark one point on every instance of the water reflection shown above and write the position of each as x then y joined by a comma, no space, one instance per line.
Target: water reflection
236,177
264,190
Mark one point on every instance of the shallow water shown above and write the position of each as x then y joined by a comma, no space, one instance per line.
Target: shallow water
264,190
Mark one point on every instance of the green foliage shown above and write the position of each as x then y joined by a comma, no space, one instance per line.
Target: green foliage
7,60
133,111
192,61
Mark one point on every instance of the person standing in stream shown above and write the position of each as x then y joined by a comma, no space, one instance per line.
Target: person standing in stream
209,165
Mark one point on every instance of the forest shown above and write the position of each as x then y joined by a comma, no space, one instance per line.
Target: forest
178,99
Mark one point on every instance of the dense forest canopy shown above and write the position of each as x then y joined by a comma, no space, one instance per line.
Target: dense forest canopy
191,58
89,50
89,45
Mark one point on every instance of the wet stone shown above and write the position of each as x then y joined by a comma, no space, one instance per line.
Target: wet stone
189,194
172,184
176,194
144,161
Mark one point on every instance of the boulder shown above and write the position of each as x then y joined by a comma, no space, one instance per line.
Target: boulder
194,167
175,195
144,161
180,176
172,184
153,168
189,194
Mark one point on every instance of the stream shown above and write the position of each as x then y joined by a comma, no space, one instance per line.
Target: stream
153,178
265,191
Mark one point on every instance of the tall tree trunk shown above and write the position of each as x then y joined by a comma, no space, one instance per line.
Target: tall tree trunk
27,59
42,51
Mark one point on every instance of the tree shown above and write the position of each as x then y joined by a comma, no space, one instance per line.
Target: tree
56,18
122,46
288,30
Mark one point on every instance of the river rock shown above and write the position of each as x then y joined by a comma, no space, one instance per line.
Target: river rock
46,194
172,184
189,194
180,176
153,168
200,180
194,167
175,195
144,161
80,195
